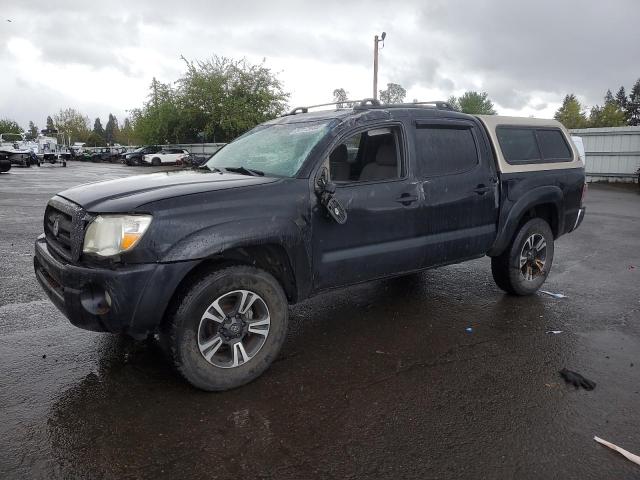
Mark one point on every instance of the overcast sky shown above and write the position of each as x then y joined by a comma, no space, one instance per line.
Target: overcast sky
100,57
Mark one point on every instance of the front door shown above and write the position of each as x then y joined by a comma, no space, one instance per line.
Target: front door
382,203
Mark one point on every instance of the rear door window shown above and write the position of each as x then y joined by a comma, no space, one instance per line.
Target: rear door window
553,145
444,150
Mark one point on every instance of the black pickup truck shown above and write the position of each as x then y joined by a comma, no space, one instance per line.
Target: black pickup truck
208,260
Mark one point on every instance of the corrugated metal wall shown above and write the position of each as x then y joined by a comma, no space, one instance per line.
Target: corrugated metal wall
611,153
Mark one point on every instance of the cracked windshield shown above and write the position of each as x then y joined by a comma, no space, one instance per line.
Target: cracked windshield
278,150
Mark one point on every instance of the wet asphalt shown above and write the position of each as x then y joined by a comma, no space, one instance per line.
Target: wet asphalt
380,380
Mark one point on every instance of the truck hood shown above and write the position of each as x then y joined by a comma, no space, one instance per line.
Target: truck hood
127,194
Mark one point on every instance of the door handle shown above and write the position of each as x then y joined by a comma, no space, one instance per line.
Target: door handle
482,189
407,199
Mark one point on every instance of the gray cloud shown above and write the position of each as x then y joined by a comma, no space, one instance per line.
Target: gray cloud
525,55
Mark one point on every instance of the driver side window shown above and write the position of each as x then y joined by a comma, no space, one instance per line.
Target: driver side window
372,155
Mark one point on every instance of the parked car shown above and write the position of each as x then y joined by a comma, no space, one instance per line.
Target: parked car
169,156
5,163
135,157
210,259
101,155
196,161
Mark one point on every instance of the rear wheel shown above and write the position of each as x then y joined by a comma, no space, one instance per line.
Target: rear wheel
227,328
524,266
155,162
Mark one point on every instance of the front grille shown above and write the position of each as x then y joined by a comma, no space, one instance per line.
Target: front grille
64,228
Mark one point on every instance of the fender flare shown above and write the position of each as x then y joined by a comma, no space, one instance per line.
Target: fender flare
213,241
538,196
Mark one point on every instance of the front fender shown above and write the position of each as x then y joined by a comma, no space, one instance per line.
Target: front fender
514,210
214,240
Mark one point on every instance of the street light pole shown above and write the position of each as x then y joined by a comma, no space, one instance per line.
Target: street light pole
376,41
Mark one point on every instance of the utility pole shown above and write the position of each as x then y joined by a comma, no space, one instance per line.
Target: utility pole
376,41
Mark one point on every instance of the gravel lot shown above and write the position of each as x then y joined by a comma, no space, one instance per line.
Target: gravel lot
376,381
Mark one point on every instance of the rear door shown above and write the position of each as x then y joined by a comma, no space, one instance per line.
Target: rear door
369,168
460,208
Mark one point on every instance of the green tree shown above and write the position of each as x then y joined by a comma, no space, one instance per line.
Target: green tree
158,121
633,105
227,97
571,113
608,97
71,122
111,129
219,98
621,98
610,115
97,128
50,124
9,126
394,93
340,95
95,140
126,135
453,102
622,101
475,103
32,131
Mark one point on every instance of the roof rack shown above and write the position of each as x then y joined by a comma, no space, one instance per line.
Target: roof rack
437,104
348,103
369,103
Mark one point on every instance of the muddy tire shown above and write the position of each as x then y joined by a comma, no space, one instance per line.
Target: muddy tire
524,266
227,328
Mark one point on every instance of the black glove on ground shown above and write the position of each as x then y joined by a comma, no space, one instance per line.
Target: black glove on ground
577,380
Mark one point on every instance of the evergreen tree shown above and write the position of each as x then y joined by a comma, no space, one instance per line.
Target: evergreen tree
97,128
125,135
621,98
571,113
611,115
608,97
32,131
111,130
50,125
633,105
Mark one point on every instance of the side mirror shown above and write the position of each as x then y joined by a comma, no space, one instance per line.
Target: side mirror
325,190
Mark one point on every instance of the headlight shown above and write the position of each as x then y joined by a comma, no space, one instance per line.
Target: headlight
110,235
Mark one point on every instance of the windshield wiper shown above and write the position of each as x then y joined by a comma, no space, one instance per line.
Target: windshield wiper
245,171
211,169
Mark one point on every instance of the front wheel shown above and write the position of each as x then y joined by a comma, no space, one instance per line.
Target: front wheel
227,328
155,162
524,266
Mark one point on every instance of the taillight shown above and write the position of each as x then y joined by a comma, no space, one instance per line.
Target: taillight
584,193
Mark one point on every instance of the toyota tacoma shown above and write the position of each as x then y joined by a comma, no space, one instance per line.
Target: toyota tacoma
208,261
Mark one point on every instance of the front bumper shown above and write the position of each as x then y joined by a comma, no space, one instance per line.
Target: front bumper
127,299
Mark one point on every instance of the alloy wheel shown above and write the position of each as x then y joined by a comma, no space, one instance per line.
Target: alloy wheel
533,257
233,329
